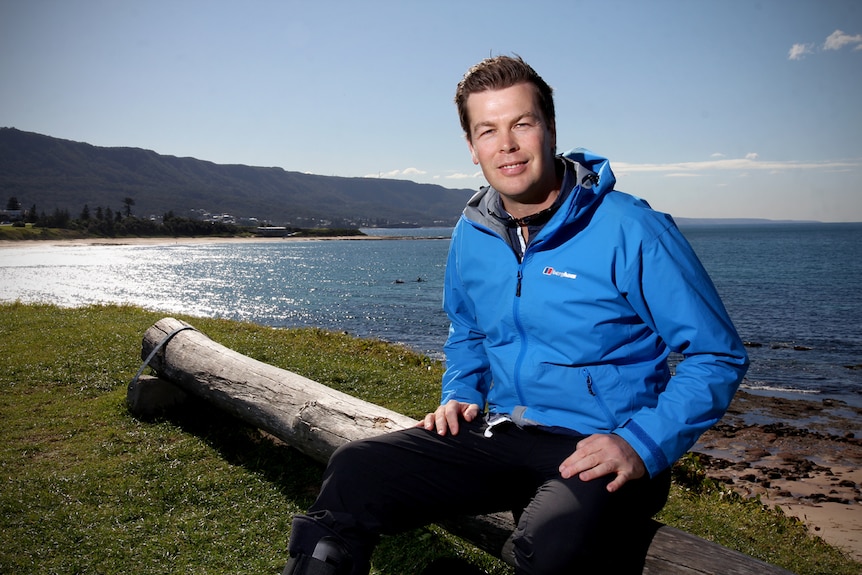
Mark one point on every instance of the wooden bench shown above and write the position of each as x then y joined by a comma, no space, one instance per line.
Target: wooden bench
316,419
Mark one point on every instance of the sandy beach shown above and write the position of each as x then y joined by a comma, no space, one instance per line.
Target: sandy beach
803,456
165,241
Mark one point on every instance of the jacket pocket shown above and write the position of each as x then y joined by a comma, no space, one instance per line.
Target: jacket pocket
594,389
580,397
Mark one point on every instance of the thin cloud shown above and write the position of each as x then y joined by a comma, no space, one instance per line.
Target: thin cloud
718,163
749,164
838,39
462,176
798,51
406,172
835,41
413,172
417,174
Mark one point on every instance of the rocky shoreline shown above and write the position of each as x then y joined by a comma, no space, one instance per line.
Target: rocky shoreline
804,456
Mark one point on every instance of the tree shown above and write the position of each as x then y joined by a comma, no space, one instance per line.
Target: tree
85,214
129,202
13,204
59,219
108,225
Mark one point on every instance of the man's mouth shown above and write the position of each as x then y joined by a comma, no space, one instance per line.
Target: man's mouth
512,165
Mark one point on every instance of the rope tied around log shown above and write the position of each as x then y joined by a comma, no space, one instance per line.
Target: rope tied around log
156,349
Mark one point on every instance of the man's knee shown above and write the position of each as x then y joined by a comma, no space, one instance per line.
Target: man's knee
548,554
611,537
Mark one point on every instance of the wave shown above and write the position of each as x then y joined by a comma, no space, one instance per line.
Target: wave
757,386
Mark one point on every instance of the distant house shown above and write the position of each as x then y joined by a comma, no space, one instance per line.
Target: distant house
11,215
272,231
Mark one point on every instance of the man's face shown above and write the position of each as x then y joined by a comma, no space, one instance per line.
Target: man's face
513,144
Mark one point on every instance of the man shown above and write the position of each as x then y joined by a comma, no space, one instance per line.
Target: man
565,298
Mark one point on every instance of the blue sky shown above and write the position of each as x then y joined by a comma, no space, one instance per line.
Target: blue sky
727,108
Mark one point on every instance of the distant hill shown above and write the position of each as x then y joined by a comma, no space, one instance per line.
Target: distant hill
52,173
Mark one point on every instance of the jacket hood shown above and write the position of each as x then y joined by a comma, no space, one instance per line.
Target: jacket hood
586,178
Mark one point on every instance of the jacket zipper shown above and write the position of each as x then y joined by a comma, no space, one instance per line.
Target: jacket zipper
516,305
588,379
516,312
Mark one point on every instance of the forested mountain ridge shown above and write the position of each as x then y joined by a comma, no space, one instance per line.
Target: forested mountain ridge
52,173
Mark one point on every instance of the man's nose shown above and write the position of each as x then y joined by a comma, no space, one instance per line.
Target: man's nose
508,142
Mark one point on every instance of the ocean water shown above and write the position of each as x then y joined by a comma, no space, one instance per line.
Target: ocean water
793,291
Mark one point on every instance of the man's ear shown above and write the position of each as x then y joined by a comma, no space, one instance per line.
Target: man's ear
472,150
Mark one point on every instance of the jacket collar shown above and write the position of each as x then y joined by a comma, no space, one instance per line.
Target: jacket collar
586,177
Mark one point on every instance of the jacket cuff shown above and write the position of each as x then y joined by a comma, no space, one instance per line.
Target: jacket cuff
649,451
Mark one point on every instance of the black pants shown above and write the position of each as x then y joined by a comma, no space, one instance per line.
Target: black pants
410,478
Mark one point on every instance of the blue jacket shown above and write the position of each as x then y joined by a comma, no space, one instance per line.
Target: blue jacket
577,335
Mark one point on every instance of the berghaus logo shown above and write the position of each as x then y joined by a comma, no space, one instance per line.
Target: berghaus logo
549,271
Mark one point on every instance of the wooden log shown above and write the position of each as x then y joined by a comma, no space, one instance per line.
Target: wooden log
316,419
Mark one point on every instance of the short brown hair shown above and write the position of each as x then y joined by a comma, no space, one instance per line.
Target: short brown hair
497,73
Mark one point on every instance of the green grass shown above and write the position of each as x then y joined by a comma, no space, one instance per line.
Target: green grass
32,233
86,488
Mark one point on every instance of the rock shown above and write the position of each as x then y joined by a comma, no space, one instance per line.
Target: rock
755,453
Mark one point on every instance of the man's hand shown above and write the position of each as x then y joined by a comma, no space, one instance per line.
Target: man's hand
600,455
447,417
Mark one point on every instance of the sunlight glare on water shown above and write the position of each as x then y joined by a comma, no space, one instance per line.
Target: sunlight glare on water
365,288
794,292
